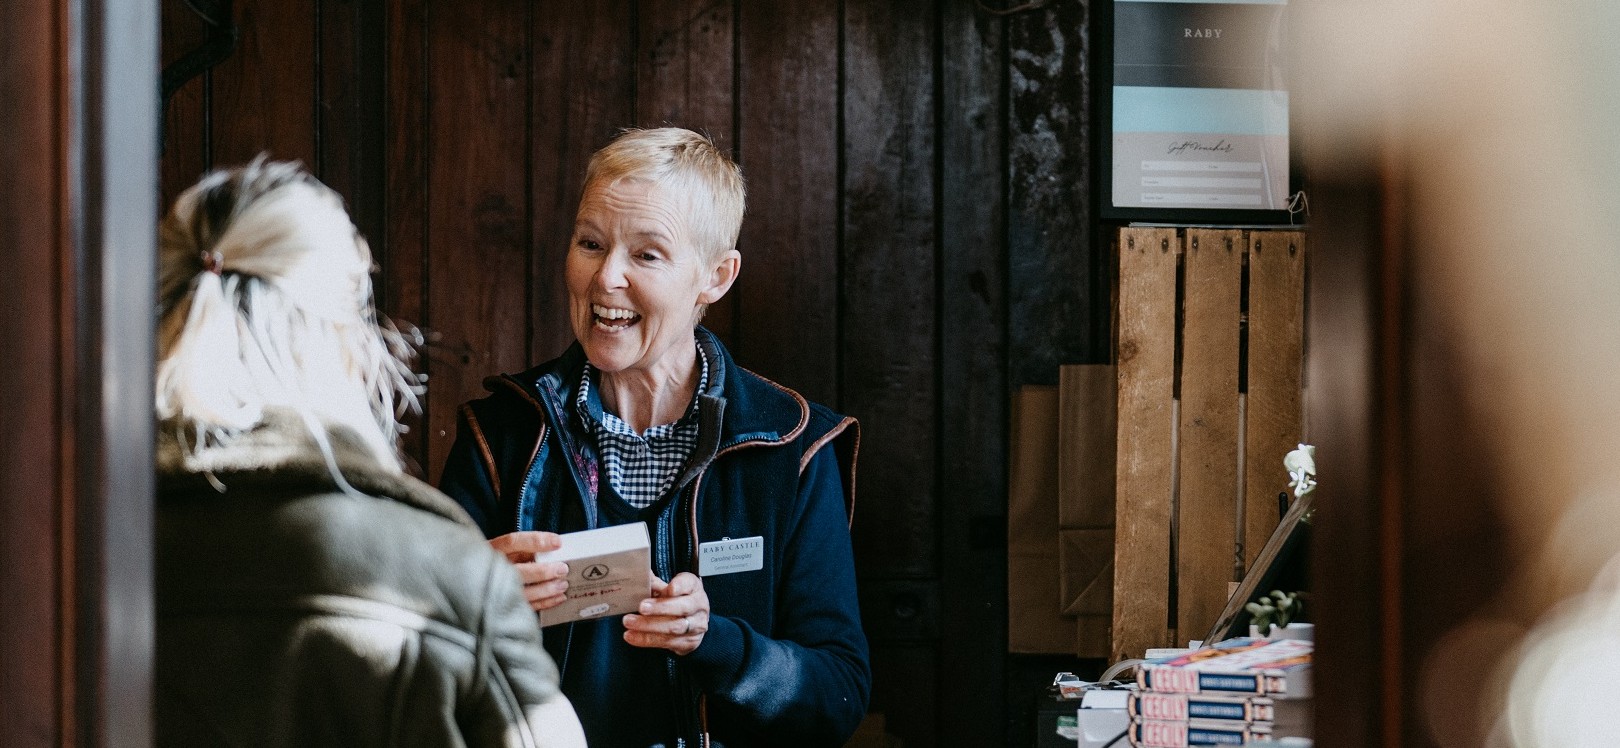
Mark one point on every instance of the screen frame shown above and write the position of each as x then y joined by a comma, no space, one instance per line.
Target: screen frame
1103,105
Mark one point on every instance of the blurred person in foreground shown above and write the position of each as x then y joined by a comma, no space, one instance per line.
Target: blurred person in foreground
1489,128
309,593
647,418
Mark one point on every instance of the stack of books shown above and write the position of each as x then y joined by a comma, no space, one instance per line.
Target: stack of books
1234,693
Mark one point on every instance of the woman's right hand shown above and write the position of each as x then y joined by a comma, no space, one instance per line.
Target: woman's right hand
544,582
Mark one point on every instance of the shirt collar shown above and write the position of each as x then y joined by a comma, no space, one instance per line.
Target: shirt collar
588,397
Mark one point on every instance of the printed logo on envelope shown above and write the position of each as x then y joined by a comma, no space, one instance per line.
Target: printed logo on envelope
727,556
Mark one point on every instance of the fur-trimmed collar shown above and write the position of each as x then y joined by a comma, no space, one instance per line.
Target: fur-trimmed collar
280,453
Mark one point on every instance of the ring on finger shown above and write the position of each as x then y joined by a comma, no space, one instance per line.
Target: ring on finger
686,625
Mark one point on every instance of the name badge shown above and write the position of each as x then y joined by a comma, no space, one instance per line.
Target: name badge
727,556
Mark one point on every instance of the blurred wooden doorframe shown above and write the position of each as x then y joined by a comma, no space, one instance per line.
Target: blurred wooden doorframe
78,109
1358,414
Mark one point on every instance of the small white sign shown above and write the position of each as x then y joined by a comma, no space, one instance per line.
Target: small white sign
727,556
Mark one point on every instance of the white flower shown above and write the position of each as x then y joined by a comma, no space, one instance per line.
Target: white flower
1301,467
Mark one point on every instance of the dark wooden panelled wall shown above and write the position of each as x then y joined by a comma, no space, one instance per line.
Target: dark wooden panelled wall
918,239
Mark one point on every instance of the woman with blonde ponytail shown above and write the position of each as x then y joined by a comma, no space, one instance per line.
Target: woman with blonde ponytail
267,291
309,591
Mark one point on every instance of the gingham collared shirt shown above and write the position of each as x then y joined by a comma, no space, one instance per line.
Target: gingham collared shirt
642,467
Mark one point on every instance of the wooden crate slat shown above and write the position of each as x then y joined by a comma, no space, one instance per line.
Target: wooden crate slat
1207,502
1146,364
1276,360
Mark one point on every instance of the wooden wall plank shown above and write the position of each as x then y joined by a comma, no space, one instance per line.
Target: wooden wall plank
477,222
1275,366
1147,321
185,140
583,94
787,324
34,227
684,66
1206,506
685,77
401,251
263,95
888,283
908,674
972,366
887,305
900,611
1052,259
349,149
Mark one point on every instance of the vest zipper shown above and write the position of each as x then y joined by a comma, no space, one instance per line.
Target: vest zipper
701,728
528,473
517,524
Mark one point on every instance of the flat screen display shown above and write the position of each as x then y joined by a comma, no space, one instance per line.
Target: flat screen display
1199,109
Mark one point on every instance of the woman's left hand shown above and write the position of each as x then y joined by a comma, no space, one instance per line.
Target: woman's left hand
674,618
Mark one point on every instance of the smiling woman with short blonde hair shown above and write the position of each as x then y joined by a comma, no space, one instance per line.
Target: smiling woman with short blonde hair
647,418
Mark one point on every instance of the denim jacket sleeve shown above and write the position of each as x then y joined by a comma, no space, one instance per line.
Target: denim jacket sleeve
808,682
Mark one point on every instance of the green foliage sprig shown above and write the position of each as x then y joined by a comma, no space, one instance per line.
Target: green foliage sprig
1276,608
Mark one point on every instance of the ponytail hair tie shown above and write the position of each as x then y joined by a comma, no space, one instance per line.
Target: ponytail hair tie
213,262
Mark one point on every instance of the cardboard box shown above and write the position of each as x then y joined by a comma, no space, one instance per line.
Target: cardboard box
609,573
1035,620
1087,435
